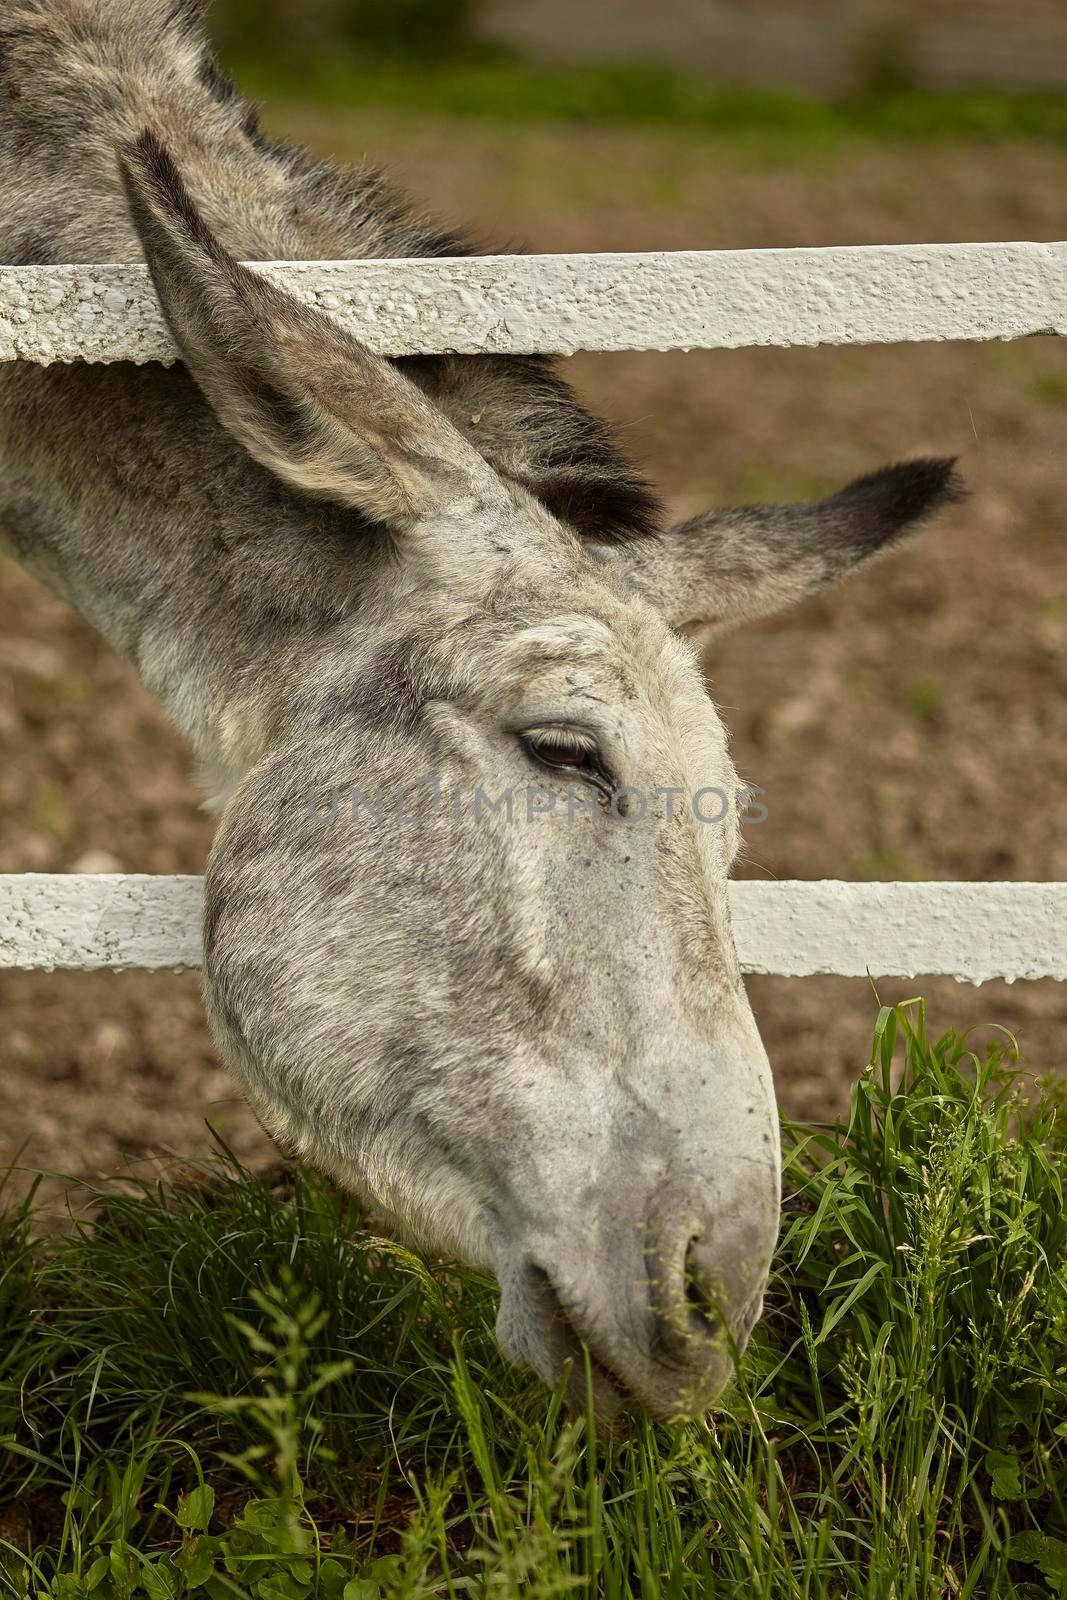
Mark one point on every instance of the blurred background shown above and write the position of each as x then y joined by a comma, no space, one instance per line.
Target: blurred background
912,725
829,46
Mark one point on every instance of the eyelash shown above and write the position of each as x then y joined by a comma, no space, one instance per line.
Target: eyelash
586,760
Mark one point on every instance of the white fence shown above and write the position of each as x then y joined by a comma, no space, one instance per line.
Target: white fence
971,931
685,300
559,304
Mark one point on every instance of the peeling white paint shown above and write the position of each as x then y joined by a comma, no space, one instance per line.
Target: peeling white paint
117,920
969,931
686,299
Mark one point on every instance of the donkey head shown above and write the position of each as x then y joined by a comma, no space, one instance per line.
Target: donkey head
467,935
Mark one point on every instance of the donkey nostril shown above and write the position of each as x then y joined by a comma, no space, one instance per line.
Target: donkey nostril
698,1291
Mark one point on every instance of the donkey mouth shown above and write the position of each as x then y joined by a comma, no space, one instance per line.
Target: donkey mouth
545,1324
568,1342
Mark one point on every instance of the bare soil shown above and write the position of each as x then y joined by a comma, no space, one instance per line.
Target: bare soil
910,725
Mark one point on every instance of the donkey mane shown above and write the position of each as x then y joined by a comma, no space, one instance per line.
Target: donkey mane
81,79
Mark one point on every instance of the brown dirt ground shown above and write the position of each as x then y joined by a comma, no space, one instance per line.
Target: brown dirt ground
911,725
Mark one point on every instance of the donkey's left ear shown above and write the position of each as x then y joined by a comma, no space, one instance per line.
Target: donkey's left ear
727,567
308,401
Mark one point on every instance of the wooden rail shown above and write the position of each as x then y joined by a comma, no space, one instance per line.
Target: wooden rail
969,931
679,300
559,304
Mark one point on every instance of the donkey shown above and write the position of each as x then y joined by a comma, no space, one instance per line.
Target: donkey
520,1034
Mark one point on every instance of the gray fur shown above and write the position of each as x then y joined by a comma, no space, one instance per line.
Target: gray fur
527,1039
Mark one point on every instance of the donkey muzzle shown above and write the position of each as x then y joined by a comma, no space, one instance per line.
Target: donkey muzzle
654,1309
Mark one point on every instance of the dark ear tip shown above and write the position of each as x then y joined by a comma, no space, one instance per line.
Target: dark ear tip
943,484
158,195
146,158
146,143
904,495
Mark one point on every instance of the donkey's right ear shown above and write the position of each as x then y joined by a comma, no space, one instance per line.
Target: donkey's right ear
307,400
726,567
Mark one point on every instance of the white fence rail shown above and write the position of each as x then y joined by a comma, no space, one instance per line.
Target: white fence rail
969,931
558,304
682,300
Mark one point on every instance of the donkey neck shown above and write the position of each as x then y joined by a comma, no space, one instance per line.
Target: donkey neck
119,490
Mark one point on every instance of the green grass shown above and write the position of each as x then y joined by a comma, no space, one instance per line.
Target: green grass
230,1388
925,698
882,866
507,89
1050,389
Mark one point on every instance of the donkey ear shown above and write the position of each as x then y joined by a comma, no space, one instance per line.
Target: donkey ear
308,401
726,567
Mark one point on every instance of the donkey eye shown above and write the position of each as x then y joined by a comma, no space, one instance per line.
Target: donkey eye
568,750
